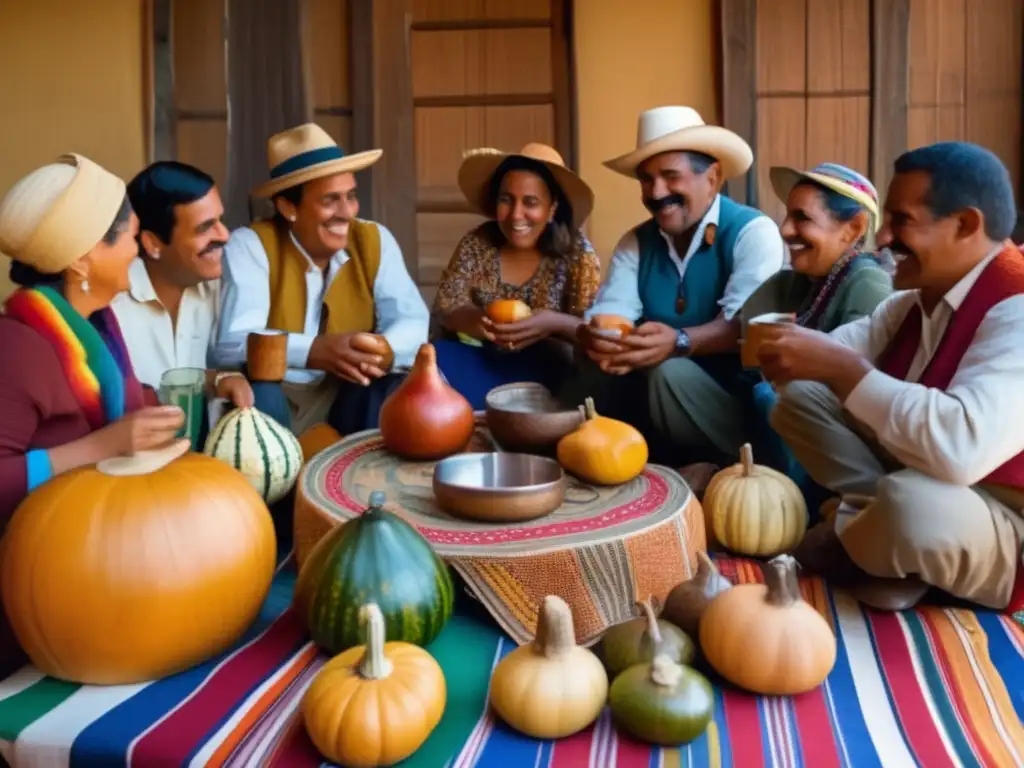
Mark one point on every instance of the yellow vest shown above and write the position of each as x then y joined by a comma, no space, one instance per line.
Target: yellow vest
348,303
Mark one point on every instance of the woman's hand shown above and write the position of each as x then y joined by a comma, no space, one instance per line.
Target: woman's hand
471,321
236,389
142,430
522,333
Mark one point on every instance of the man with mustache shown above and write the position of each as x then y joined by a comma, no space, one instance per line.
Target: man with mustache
169,313
682,277
912,415
336,284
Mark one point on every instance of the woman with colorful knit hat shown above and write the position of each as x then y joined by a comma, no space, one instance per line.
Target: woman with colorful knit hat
832,214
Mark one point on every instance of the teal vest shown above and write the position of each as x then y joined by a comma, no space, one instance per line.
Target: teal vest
706,273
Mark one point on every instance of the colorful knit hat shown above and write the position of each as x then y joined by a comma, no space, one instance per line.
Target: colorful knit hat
846,181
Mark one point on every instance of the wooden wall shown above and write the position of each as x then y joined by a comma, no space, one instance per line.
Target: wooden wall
484,74
813,88
965,75
328,61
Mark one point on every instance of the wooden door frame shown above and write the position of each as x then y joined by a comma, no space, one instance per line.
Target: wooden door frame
890,83
383,105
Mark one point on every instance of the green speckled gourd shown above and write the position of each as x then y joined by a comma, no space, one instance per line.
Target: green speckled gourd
662,702
639,640
374,558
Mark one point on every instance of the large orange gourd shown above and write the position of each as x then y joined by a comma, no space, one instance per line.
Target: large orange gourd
136,568
504,311
425,419
603,451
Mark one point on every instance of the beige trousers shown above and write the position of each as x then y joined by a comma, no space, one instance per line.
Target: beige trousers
964,540
310,403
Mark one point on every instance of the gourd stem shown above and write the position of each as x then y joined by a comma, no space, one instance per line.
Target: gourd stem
780,578
704,569
374,665
653,630
747,459
589,410
665,672
427,356
556,635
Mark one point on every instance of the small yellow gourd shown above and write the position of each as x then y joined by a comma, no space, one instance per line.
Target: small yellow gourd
603,451
374,704
766,638
551,688
754,510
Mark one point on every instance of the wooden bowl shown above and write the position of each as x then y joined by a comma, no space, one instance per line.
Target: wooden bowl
499,487
527,418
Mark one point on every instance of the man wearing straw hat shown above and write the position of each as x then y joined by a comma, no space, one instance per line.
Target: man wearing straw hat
328,279
681,276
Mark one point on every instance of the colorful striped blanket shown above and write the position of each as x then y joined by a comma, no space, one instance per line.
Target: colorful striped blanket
931,687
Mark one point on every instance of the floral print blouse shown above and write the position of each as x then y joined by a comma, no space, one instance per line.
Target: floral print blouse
473,276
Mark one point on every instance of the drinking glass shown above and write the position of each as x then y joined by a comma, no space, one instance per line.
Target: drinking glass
185,388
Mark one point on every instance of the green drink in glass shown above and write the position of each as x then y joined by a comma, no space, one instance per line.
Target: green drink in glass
185,388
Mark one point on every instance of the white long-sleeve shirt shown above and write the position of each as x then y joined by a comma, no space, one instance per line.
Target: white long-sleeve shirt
959,435
401,315
757,254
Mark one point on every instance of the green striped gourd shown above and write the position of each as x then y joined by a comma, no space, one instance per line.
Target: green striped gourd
260,448
375,558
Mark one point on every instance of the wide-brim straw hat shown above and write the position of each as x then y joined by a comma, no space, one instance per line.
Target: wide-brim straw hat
305,153
838,178
58,213
479,166
682,129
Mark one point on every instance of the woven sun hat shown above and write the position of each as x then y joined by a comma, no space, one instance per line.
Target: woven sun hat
682,129
57,213
305,153
479,166
845,181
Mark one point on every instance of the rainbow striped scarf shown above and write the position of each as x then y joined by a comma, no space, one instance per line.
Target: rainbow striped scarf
93,356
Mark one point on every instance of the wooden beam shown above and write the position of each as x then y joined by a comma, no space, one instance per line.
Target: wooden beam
564,81
394,177
161,130
738,78
360,49
486,100
890,86
473,25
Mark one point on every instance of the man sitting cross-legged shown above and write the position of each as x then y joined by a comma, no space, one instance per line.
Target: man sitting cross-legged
913,415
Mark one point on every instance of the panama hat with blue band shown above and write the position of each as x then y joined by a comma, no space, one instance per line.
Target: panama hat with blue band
305,153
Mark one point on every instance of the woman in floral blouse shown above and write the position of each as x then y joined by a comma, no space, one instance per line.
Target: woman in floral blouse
532,250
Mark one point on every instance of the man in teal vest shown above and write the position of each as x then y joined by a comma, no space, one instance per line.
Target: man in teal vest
681,277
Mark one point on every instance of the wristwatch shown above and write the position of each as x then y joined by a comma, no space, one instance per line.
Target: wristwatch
683,344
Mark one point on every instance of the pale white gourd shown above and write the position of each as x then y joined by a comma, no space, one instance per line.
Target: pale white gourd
267,454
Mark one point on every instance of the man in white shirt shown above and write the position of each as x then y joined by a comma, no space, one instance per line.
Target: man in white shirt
336,284
913,415
683,276
169,313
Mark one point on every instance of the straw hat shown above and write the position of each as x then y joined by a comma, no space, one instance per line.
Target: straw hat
681,129
58,213
305,153
838,178
479,165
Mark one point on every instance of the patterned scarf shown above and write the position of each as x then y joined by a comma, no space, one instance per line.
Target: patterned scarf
91,352
815,307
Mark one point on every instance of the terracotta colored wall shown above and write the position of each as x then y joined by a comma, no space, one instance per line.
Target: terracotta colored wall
631,57
72,81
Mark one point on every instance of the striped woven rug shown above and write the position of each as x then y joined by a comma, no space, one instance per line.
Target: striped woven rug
931,687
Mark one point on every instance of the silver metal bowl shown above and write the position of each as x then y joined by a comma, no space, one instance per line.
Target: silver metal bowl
499,487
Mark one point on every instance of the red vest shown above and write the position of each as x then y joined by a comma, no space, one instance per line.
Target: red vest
1001,279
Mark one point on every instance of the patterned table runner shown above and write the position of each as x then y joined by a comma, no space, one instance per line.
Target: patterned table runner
930,687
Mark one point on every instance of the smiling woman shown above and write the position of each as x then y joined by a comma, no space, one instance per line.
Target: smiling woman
532,251
831,218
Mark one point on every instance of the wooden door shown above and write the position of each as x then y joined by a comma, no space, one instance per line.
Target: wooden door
965,75
485,73
813,88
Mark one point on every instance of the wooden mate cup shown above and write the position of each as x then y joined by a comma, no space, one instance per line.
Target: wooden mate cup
267,355
759,330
